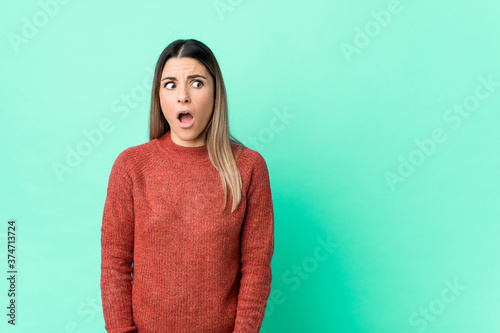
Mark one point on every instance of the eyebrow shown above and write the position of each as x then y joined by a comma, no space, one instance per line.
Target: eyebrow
189,77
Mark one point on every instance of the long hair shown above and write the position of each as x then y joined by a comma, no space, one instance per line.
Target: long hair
218,139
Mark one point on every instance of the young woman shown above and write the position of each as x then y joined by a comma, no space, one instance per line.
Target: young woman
187,234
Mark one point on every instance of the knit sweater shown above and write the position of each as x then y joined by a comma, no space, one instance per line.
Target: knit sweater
171,260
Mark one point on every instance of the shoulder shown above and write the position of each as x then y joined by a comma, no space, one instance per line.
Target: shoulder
134,156
254,172
251,161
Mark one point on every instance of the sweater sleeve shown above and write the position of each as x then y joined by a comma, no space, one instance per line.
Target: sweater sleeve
257,247
117,245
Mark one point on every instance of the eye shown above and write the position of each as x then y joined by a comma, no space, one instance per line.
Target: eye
200,84
168,85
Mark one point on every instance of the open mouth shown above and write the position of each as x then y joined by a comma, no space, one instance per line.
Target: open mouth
185,117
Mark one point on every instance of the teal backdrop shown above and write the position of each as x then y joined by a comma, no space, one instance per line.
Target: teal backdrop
378,121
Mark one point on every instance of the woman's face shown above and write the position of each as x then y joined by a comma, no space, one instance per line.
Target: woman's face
186,85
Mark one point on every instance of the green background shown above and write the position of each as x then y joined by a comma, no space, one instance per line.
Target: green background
353,162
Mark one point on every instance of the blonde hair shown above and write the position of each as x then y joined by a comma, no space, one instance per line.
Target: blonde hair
218,139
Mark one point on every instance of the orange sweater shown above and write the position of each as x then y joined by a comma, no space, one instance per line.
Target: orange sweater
171,261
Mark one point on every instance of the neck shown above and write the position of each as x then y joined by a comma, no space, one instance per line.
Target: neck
181,153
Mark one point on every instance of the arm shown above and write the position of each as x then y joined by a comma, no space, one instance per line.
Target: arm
257,247
117,245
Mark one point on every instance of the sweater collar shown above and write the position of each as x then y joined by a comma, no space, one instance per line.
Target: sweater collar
181,153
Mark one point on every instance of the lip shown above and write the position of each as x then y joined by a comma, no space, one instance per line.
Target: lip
185,125
183,111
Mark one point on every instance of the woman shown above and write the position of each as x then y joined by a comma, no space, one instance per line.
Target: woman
187,233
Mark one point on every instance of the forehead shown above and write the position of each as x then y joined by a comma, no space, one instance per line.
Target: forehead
183,66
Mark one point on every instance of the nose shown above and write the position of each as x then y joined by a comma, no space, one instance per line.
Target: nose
183,96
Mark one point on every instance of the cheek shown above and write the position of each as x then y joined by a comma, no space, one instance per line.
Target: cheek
165,103
207,102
